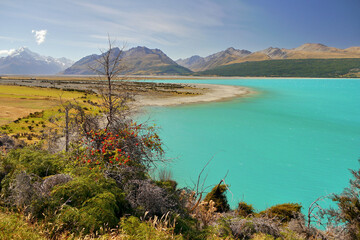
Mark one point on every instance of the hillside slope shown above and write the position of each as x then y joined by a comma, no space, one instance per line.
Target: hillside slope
313,68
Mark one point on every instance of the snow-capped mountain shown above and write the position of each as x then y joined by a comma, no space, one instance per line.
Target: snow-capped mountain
24,61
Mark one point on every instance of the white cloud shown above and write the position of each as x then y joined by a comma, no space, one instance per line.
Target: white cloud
7,52
39,36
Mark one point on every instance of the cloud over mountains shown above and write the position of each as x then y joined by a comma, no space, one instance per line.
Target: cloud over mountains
40,36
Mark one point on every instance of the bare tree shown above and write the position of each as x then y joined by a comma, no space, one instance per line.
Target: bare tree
114,96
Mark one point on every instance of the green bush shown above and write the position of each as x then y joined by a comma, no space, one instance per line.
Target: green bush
93,202
284,212
348,211
104,208
33,161
245,209
30,164
217,195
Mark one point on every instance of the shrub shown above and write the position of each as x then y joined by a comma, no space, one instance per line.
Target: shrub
104,208
347,216
124,144
7,142
246,228
22,189
245,209
22,171
284,212
99,212
145,196
298,226
217,195
50,182
92,202
169,185
34,161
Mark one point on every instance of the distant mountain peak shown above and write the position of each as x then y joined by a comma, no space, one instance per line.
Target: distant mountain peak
274,52
197,63
313,47
22,50
230,49
24,61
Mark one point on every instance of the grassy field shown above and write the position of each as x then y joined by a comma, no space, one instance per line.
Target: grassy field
25,111
18,101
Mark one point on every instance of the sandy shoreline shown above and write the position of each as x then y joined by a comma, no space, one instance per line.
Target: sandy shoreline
148,93
205,93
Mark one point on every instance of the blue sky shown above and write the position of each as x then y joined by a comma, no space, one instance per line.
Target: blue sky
76,28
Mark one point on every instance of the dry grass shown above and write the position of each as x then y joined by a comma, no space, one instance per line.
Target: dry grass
14,226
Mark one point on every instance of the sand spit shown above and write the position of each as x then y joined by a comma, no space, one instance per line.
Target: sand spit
201,93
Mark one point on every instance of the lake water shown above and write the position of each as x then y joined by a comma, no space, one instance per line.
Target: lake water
293,142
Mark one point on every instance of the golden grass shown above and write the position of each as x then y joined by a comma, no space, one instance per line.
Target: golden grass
19,101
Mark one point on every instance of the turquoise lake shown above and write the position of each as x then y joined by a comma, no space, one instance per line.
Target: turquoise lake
294,141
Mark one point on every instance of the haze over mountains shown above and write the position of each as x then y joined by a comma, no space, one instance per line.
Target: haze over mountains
145,61
24,61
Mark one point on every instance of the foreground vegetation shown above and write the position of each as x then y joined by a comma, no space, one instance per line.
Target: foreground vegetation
312,68
84,195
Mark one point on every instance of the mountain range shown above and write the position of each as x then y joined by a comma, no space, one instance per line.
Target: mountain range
232,56
24,61
145,61
138,60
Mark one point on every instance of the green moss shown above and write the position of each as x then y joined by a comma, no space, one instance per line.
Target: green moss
245,209
217,195
284,212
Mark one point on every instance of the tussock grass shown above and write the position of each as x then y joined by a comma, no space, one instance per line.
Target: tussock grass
14,226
